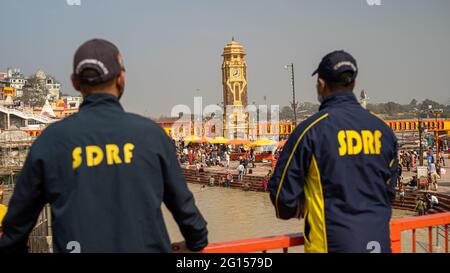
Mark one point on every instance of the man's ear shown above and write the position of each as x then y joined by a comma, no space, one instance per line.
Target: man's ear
121,79
320,84
75,83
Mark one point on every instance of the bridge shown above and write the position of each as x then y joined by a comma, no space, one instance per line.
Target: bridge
408,125
187,129
28,118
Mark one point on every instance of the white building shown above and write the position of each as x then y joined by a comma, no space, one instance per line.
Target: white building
16,80
3,76
72,102
54,88
17,84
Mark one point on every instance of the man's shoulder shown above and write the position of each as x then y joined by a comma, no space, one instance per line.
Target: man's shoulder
382,125
373,121
49,137
376,119
58,128
311,122
144,123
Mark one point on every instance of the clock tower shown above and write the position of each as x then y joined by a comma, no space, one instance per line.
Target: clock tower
234,81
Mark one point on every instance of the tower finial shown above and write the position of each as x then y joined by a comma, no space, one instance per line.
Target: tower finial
232,38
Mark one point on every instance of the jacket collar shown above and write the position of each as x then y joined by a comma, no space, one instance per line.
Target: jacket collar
100,99
338,99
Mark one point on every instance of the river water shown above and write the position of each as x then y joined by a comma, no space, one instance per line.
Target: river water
233,214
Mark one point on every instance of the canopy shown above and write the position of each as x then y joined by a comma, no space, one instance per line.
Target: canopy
218,140
191,139
238,142
201,140
264,142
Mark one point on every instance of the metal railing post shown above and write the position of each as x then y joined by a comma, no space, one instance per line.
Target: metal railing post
396,238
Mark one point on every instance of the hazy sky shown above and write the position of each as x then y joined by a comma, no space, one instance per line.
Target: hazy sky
173,48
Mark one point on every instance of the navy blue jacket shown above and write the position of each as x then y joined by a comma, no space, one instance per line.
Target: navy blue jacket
338,169
105,174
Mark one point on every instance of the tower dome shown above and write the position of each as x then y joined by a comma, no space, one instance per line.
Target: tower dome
40,74
233,47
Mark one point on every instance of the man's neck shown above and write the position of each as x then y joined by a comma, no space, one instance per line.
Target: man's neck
111,91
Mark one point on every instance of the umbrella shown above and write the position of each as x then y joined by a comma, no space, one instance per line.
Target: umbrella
238,142
192,139
201,140
264,142
218,140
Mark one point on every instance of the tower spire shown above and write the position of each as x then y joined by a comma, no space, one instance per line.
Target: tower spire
232,38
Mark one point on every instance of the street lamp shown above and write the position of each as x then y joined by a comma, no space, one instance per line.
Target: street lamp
437,113
420,139
421,130
294,102
256,125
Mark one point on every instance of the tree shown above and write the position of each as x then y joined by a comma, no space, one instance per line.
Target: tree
413,103
287,113
33,98
391,108
426,103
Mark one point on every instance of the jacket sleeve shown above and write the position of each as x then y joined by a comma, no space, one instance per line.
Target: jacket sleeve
286,185
180,201
25,206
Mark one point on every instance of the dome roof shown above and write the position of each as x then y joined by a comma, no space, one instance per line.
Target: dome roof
234,44
233,47
40,74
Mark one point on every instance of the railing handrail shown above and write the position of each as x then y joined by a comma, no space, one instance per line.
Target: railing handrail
290,240
413,223
256,244
416,222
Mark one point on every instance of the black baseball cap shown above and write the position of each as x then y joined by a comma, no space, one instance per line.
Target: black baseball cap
334,64
97,61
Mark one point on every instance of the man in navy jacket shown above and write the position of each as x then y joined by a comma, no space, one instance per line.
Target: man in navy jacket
104,172
338,168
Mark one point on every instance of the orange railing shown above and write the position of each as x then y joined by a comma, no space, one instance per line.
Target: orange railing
286,241
257,245
414,223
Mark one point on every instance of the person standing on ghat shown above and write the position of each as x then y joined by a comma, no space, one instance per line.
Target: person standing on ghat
104,172
338,168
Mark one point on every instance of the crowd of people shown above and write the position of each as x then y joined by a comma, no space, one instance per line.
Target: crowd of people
203,155
425,203
212,154
409,160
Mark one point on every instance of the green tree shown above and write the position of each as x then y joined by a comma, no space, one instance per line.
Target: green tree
287,113
413,103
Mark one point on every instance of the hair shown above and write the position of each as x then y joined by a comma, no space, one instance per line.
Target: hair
97,87
89,88
345,83
90,73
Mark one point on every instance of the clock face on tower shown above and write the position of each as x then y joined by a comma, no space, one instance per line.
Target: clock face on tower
236,73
